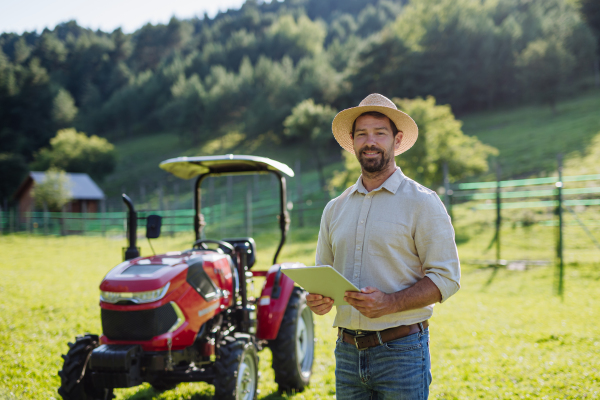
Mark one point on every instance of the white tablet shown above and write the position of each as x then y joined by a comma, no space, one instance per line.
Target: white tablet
323,280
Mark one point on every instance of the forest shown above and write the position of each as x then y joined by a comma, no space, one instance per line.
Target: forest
249,70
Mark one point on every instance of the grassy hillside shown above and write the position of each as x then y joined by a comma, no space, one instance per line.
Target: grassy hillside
529,138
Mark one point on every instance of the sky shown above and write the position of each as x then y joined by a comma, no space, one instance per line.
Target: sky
29,15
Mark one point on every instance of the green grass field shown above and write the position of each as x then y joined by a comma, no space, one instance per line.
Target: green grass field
505,335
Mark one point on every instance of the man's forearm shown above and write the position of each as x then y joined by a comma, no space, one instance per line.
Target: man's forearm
373,303
421,294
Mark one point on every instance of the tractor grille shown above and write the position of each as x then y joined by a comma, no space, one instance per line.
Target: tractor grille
138,325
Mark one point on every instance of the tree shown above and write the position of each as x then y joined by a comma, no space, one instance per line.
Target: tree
63,108
296,39
53,192
440,141
544,69
73,151
590,11
311,123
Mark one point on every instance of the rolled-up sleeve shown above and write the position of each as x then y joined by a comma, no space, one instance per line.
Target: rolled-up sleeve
436,246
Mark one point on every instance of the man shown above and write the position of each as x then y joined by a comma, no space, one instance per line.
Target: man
393,238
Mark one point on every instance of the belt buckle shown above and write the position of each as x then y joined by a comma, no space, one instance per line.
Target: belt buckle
358,336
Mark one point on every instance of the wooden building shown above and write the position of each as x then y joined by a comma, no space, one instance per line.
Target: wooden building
86,196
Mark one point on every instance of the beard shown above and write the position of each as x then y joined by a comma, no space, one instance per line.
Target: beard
376,164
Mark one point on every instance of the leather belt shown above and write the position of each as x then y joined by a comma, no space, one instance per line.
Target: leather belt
365,339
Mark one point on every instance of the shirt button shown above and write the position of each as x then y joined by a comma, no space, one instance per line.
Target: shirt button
357,247
362,221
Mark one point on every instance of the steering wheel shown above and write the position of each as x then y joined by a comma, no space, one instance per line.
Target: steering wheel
226,247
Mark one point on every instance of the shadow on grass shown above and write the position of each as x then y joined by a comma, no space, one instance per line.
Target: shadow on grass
490,280
151,394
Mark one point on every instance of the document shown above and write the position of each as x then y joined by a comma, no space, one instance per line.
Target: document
323,280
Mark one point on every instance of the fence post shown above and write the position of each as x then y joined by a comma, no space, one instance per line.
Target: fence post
559,250
498,214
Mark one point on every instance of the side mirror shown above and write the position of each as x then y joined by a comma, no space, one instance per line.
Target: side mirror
153,224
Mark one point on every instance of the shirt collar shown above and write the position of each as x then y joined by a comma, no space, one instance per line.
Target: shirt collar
391,184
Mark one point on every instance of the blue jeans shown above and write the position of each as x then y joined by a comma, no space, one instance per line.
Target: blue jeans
399,369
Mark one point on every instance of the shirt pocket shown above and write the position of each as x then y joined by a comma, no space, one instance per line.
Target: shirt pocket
389,239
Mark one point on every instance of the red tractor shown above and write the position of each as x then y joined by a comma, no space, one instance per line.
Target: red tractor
186,316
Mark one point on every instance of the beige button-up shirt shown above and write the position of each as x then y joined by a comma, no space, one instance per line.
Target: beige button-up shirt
389,238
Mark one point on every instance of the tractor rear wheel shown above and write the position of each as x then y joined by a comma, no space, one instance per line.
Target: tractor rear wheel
75,383
294,348
236,369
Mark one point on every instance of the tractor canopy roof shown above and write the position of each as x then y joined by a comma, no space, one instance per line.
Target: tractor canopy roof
189,167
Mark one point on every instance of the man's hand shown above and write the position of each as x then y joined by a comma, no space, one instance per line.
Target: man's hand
318,304
371,302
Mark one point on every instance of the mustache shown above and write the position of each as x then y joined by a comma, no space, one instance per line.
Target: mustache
370,148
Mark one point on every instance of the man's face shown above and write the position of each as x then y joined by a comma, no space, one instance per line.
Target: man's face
374,143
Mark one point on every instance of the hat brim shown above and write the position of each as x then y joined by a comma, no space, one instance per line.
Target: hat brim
343,121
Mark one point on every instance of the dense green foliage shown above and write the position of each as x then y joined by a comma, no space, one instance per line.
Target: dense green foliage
76,152
246,70
53,192
311,123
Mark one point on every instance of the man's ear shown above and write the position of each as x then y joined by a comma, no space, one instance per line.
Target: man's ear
398,140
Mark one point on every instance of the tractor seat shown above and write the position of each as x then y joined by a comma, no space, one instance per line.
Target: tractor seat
244,243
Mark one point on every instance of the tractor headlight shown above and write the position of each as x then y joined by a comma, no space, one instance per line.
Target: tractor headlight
180,317
135,297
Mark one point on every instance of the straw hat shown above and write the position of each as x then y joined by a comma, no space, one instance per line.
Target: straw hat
343,121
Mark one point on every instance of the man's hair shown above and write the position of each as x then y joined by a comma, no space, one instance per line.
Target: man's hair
375,114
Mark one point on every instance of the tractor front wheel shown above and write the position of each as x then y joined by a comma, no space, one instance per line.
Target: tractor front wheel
236,369
294,348
75,383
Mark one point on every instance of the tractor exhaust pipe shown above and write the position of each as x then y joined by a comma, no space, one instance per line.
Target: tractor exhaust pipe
132,251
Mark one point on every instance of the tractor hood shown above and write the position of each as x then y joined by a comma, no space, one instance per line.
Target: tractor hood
144,273
152,273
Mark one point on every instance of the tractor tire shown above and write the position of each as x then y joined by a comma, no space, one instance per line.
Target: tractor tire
236,369
294,348
75,383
